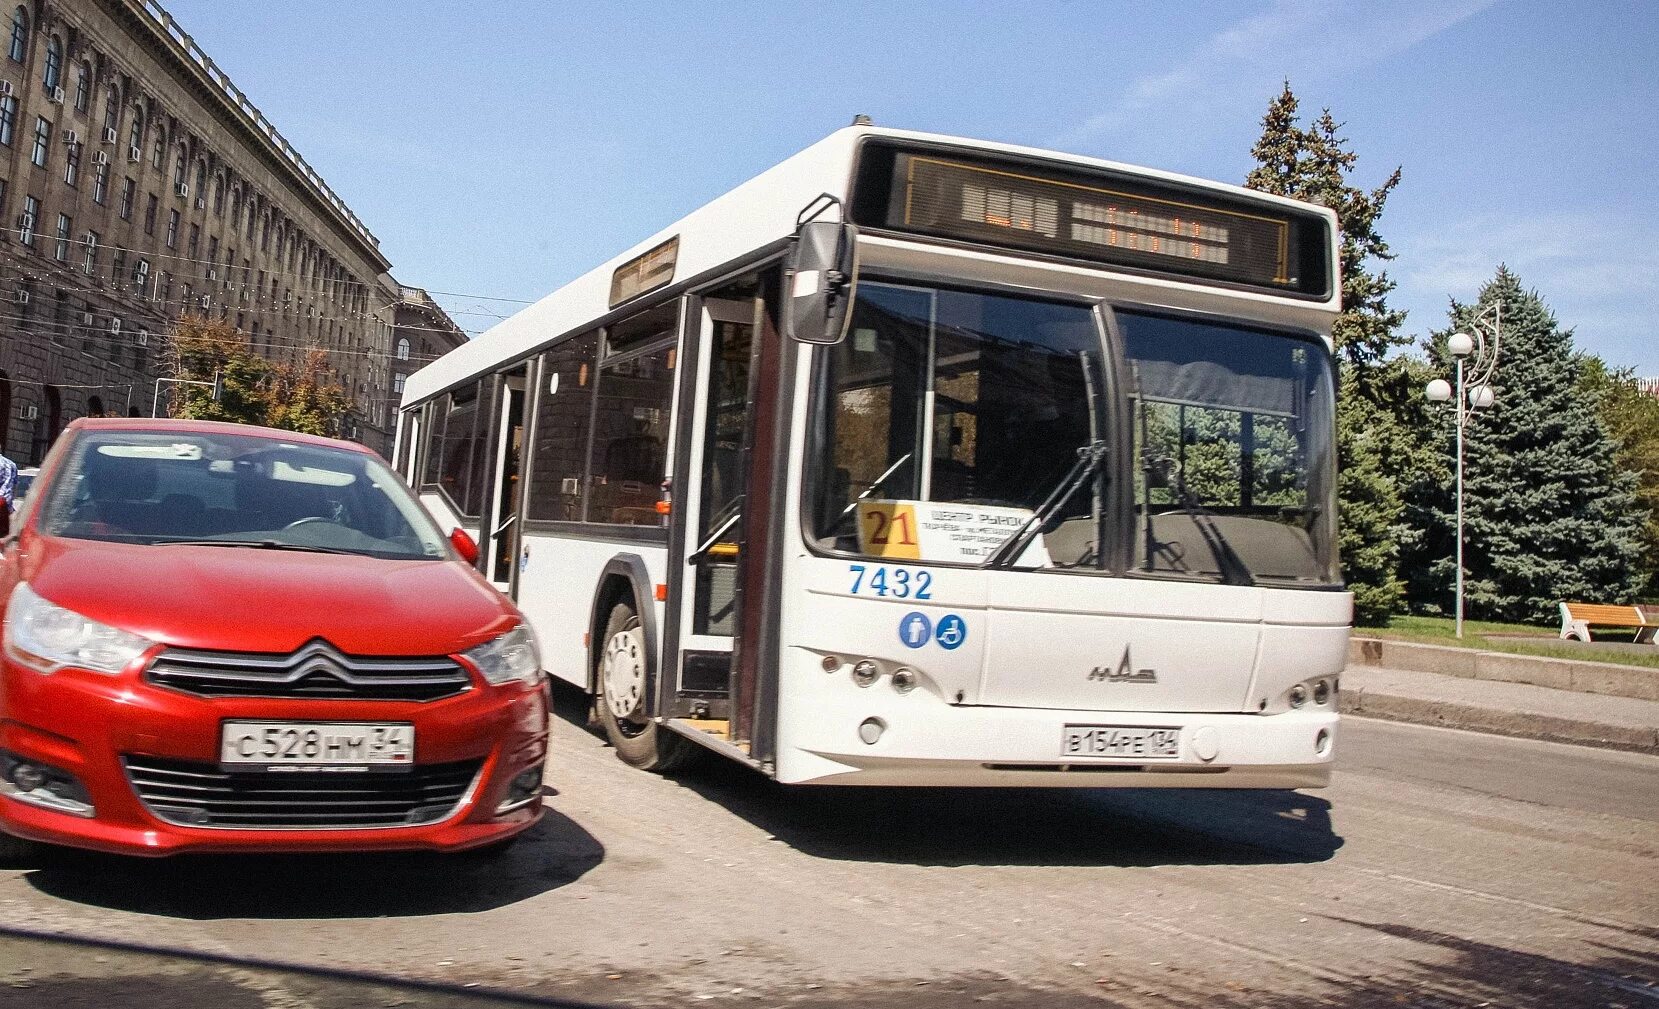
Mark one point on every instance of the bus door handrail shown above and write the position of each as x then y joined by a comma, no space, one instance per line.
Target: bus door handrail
714,538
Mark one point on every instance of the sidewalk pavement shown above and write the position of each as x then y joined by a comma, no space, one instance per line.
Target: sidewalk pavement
1506,709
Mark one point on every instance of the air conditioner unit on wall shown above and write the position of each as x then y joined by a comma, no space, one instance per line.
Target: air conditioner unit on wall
55,95
201,203
100,158
86,318
143,338
29,412
6,88
182,188
115,326
109,134
21,297
71,137
134,155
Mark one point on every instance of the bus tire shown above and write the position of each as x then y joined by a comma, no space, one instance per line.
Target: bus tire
620,683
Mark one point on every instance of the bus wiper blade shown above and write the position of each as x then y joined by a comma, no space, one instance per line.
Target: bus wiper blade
1089,460
257,545
875,484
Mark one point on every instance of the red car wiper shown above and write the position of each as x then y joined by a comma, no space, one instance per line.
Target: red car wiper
255,545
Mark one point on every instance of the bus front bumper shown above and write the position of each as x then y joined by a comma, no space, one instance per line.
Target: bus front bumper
1027,747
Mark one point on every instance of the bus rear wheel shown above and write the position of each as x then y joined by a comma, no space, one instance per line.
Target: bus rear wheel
621,681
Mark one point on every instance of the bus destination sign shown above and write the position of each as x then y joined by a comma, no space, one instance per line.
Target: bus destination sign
1137,223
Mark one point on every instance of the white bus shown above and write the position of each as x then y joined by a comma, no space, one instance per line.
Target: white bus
918,460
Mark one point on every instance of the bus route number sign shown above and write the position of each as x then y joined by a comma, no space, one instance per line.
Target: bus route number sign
886,582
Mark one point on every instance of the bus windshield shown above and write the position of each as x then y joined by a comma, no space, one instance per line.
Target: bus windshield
952,418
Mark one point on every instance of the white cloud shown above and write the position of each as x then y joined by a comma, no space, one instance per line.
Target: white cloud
1298,39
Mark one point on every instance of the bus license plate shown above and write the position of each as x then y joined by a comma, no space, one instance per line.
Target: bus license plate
317,744
1137,741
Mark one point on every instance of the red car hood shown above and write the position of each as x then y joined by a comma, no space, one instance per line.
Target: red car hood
244,599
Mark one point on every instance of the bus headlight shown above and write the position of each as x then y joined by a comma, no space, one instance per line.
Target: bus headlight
866,672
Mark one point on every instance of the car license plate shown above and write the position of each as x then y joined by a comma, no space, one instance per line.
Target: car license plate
317,745
1137,741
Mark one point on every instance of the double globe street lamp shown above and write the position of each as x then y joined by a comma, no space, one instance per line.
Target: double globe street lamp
1473,392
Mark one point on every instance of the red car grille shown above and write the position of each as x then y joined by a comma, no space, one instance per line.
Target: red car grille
317,670
202,795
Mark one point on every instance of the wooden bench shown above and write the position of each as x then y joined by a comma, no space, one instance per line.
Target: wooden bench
1577,620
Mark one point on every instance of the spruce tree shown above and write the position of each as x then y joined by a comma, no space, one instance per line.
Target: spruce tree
1373,446
1548,514
1631,416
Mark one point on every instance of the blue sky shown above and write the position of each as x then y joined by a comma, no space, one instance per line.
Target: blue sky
504,148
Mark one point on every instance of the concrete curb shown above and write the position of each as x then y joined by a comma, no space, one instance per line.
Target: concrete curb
1581,677
1526,725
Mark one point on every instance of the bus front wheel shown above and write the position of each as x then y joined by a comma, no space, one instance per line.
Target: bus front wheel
621,680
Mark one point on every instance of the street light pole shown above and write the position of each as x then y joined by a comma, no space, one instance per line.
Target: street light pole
1469,397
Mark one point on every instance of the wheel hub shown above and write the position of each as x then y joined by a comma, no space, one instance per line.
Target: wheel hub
624,670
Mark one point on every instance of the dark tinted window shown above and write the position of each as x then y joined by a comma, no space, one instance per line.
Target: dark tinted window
460,469
563,420
630,438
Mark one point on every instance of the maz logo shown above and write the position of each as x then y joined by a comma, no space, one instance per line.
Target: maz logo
1125,672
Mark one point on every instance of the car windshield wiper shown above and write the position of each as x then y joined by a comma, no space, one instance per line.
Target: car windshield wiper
1233,569
255,545
1089,459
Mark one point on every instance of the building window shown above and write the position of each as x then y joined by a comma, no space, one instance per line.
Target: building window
403,349
172,229
100,183
20,36
201,180
150,215
26,226
219,195
135,132
89,253
195,240
8,119
111,116
51,74
72,165
179,167
129,192
83,87
43,141
60,251
397,383
117,265
158,151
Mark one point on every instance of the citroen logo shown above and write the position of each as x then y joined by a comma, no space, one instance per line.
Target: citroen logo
1123,672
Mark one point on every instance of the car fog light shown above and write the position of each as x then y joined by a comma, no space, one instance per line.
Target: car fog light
866,672
522,790
43,785
1298,695
904,680
831,663
870,730
28,777
1321,692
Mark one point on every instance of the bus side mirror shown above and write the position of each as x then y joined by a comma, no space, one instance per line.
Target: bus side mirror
822,280
464,545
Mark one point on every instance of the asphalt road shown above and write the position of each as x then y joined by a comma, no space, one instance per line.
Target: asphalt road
1441,869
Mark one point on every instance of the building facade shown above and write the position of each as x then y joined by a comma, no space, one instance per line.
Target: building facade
1649,386
138,184
422,332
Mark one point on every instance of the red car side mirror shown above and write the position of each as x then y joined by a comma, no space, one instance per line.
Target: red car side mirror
464,545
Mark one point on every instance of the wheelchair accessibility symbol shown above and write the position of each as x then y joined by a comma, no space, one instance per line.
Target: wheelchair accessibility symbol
950,632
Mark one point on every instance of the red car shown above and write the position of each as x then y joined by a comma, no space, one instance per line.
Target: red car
230,639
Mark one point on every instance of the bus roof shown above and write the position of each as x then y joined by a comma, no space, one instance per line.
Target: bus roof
755,214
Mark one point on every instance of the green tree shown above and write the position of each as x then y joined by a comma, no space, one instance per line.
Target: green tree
1549,514
1631,416
1375,445
200,350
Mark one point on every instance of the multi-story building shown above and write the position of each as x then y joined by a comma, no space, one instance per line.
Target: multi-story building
138,183
1649,386
421,332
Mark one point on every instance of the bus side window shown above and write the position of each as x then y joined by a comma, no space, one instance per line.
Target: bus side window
559,445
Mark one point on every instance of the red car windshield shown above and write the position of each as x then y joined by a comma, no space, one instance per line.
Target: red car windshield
234,490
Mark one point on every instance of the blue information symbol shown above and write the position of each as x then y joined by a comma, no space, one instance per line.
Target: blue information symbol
914,629
951,631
